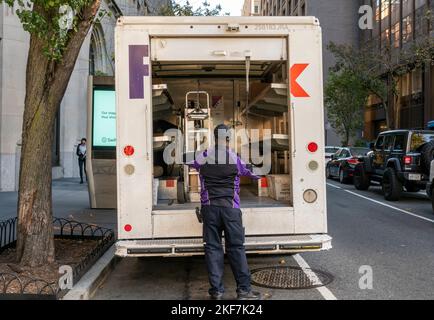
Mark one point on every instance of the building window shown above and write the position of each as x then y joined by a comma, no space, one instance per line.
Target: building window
377,10
396,35
407,7
385,38
395,7
385,7
416,81
407,29
420,3
256,9
303,9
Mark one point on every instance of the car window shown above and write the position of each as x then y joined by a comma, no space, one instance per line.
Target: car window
331,150
388,143
399,142
357,152
419,139
379,144
344,154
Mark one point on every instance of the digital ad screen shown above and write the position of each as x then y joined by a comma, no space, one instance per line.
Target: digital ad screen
104,118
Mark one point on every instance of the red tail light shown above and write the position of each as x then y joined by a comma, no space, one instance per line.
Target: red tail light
312,147
408,160
353,161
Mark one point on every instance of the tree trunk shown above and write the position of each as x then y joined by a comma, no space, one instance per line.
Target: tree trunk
46,83
35,227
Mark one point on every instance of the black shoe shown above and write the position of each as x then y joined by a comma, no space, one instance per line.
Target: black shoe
249,295
81,182
216,296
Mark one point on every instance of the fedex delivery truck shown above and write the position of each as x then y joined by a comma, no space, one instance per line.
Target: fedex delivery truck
189,74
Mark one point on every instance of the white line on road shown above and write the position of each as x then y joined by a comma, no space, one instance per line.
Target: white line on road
325,292
382,203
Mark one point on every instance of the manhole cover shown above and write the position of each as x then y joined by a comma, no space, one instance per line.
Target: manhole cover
290,278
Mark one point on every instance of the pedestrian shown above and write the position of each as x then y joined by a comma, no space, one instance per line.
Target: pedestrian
220,170
81,153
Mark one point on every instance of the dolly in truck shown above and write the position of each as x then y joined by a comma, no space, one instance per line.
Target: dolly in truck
260,76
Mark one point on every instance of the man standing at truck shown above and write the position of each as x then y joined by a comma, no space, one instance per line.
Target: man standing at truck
220,170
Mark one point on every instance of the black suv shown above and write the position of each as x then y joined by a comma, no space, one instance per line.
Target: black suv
399,159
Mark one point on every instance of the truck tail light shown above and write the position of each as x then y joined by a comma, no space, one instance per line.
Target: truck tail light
408,160
129,151
128,228
312,147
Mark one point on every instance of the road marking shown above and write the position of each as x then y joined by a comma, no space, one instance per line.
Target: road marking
324,291
382,203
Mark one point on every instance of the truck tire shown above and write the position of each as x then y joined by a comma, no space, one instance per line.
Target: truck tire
392,187
361,178
342,178
427,152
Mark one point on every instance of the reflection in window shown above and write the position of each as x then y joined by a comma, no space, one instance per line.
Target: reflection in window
420,3
416,81
385,6
396,35
407,29
377,10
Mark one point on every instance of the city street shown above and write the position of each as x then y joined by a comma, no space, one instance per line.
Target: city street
395,239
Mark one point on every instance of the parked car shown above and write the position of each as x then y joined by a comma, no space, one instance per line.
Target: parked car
343,162
400,159
330,151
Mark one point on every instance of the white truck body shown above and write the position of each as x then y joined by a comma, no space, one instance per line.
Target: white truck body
145,48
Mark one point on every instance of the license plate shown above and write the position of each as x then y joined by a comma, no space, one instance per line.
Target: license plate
414,177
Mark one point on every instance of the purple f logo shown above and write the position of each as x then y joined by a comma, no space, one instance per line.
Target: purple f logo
138,70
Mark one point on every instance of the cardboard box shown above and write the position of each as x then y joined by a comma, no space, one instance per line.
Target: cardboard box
168,189
279,187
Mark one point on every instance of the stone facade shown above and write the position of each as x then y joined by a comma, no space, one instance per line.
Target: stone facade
96,56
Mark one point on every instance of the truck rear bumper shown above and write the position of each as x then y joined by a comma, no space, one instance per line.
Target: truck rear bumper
195,246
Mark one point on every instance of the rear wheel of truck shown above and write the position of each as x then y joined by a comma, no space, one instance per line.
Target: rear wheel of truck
361,178
392,187
427,153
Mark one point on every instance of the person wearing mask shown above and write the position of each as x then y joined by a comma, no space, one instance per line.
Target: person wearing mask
81,153
220,170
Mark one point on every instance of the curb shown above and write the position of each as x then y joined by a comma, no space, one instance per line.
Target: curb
89,283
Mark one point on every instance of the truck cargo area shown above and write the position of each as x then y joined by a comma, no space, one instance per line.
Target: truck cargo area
195,96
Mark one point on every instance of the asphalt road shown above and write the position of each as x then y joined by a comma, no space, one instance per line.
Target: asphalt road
394,241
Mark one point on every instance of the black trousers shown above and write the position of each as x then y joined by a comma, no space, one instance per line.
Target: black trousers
215,221
81,165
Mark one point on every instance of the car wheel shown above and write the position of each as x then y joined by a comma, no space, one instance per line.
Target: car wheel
361,178
342,178
392,187
328,175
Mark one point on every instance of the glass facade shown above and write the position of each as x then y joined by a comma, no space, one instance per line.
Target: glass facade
398,24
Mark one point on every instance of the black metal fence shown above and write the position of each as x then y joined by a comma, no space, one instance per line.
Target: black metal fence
8,233
63,229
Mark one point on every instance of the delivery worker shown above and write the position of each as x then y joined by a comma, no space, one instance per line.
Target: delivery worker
220,170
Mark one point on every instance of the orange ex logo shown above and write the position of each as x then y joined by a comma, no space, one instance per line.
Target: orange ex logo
296,90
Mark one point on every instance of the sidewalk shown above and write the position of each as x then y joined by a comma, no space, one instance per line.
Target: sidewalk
70,201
